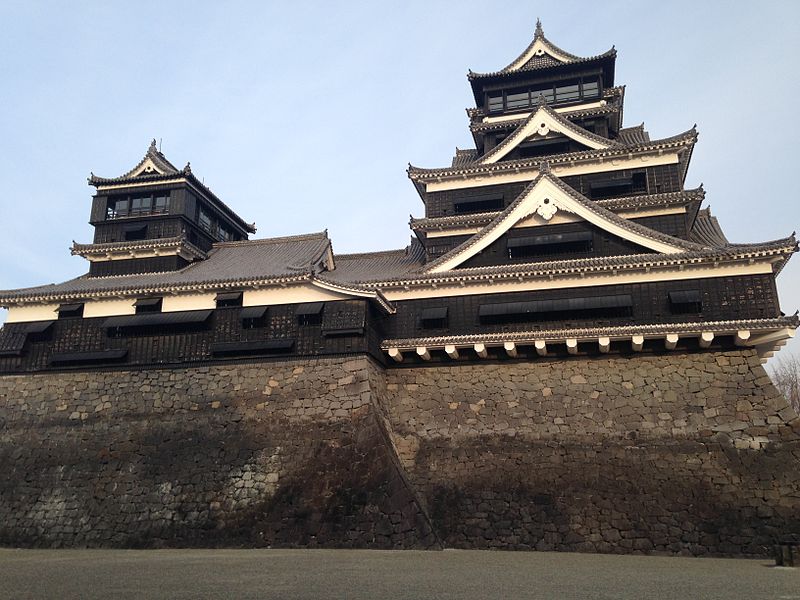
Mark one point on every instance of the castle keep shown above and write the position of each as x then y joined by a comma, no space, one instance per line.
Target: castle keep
567,356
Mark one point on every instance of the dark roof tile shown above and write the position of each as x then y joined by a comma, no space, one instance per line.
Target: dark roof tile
706,230
227,263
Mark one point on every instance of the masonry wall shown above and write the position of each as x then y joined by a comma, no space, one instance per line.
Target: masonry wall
687,454
286,454
680,453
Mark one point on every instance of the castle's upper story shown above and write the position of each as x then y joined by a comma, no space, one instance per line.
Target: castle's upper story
560,232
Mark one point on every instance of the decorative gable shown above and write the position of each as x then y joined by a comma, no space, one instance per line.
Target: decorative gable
545,197
147,167
540,52
154,163
543,122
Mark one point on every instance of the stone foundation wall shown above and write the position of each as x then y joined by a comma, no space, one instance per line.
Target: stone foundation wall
278,454
686,454
689,454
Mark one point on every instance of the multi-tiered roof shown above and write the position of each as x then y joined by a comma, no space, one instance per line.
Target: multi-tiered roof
560,232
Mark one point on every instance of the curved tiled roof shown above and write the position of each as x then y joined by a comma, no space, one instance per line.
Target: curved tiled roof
464,157
472,75
543,61
84,249
631,136
706,230
615,204
476,127
601,264
153,154
279,261
688,137
375,266
274,259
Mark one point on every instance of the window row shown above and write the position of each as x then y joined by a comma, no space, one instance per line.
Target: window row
533,311
520,98
136,205
337,318
213,226
618,186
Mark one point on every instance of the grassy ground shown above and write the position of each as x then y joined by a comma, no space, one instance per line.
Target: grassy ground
395,575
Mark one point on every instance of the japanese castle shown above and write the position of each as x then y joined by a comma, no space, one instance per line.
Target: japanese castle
562,232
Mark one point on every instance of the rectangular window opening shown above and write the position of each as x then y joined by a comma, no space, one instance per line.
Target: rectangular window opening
518,99
479,205
685,302
579,242
134,233
557,310
496,103
148,305
229,299
253,317
70,311
434,318
137,205
309,313
543,148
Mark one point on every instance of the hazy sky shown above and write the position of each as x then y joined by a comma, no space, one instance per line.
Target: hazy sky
303,115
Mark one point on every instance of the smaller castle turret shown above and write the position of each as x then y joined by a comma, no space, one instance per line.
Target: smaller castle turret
155,218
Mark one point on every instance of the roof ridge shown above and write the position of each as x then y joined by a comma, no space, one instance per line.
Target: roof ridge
369,254
555,158
585,264
156,157
320,235
652,198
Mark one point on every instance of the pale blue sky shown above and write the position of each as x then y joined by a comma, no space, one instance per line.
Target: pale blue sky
303,116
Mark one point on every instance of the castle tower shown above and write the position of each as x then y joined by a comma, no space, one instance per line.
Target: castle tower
586,225
154,218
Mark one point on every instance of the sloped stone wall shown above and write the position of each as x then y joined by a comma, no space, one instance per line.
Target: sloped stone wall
687,454
279,454
680,453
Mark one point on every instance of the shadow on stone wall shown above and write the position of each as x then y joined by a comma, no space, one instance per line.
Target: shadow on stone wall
231,469
683,454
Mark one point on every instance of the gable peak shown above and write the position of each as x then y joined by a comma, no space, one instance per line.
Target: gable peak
539,31
153,163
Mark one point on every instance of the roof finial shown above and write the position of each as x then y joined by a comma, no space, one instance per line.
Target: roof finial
539,31
544,168
153,147
188,168
542,101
